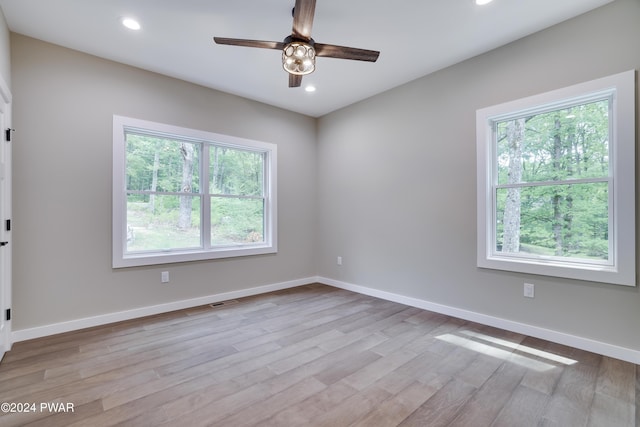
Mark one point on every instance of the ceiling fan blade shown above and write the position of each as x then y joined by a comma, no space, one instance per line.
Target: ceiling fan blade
295,80
343,52
303,18
249,43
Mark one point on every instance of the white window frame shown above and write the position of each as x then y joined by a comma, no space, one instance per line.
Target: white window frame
621,269
121,258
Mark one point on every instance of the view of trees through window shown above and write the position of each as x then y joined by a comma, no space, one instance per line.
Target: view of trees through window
165,194
552,194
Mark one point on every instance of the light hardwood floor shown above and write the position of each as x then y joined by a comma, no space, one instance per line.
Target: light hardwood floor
313,356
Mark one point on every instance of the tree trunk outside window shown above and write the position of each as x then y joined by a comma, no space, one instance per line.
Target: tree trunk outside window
511,233
184,218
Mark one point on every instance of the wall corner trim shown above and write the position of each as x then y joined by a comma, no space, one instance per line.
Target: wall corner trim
602,348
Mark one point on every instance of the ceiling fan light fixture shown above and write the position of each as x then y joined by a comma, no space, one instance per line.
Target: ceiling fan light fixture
299,58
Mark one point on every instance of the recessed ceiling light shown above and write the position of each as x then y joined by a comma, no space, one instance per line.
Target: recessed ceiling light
131,23
483,2
310,88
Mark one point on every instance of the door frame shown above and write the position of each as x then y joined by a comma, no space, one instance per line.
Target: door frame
5,214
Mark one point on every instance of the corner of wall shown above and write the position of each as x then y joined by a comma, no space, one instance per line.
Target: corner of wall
5,49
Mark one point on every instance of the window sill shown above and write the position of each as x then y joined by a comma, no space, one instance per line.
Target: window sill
570,270
141,259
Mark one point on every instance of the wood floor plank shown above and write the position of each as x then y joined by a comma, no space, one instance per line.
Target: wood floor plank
223,407
421,368
63,419
306,412
240,379
10,385
36,363
433,339
176,406
297,332
616,379
344,368
553,356
525,407
377,369
543,380
88,389
314,356
392,412
398,338
346,360
353,409
202,363
606,410
480,370
490,399
85,392
573,396
441,408
275,403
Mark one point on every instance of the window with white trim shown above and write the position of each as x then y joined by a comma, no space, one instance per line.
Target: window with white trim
184,195
556,183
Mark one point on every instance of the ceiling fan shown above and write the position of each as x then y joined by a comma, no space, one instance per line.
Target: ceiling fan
299,50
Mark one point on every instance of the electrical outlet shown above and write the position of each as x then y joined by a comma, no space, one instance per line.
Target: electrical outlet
339,260
529,290
164,277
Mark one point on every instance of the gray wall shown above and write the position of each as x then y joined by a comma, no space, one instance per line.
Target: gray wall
397,193
63,107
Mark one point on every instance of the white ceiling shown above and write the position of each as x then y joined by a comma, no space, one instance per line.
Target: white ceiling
415,38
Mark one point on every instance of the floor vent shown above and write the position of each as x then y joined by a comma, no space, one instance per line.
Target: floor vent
224,303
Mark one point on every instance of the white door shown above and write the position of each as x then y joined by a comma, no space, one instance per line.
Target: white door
5,214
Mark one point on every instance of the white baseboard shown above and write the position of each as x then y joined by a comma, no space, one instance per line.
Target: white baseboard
104,319
587,344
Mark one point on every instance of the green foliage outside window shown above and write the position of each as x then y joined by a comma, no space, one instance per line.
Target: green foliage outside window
552,197
165,194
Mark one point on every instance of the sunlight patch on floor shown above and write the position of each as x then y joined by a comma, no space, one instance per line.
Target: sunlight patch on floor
522,355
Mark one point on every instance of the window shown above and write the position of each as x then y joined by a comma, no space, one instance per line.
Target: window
556,183
183,195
